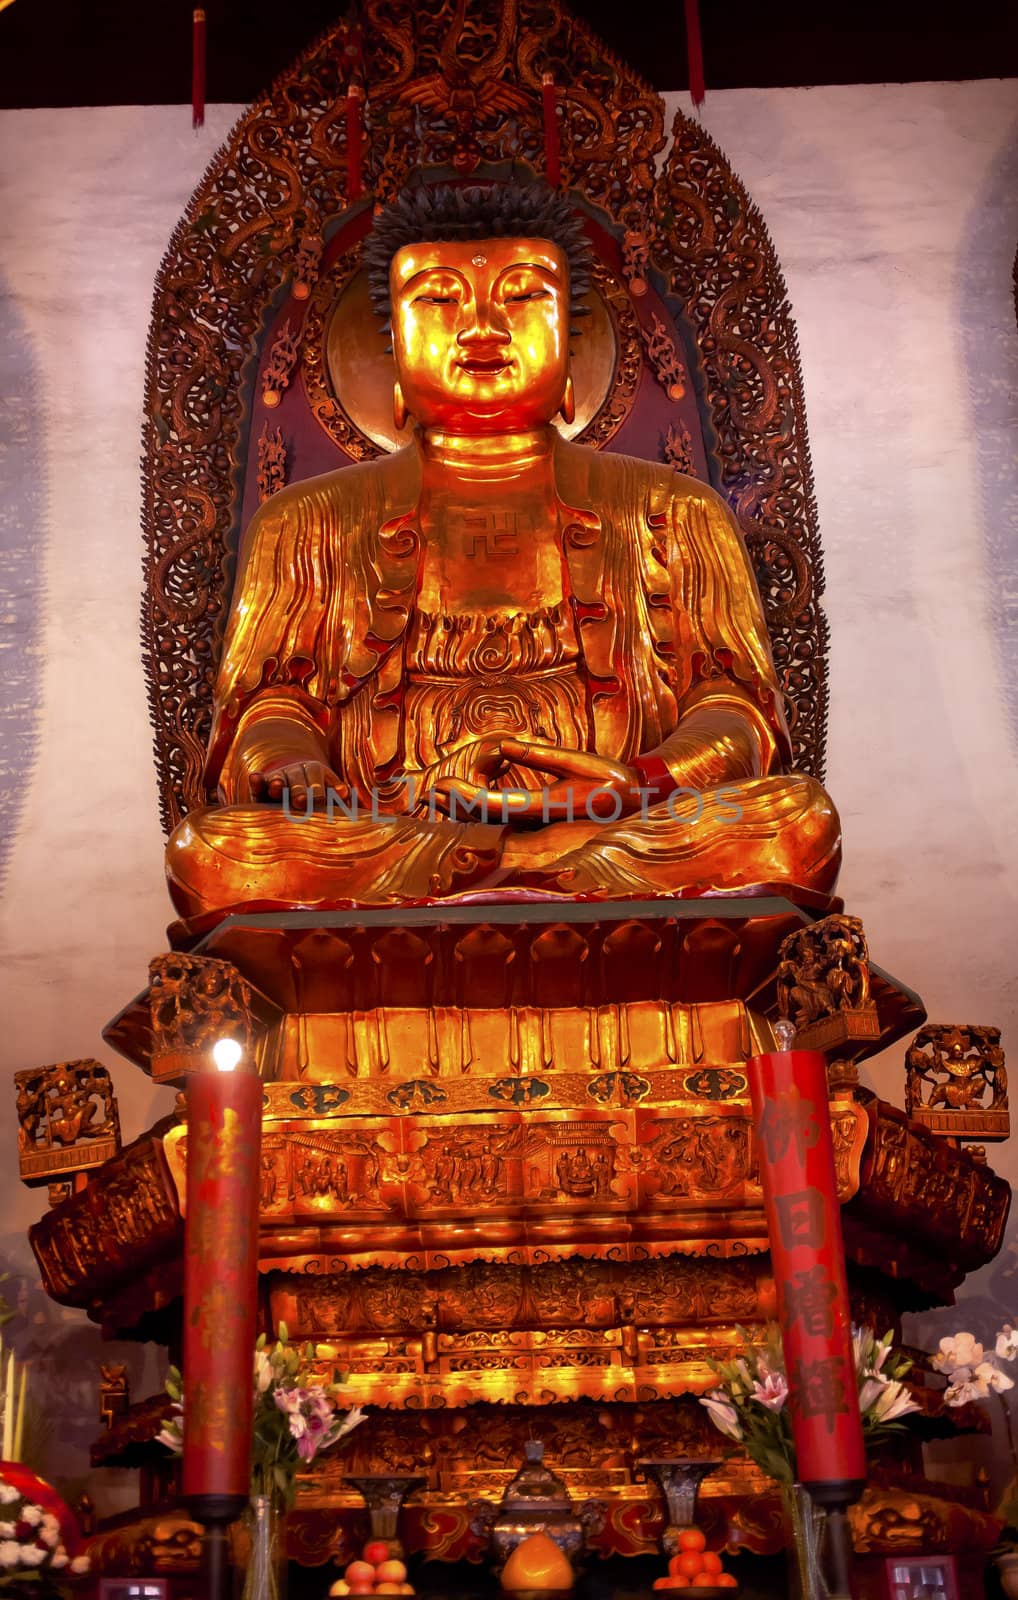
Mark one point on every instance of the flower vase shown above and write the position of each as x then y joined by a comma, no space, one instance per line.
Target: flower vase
265,1575
679,1479
807,1523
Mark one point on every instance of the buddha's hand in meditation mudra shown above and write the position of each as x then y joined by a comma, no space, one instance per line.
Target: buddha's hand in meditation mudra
521,663
574,784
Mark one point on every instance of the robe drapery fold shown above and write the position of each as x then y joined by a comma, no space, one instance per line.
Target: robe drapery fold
666,608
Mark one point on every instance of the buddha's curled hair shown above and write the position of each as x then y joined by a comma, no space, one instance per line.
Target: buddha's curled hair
422,215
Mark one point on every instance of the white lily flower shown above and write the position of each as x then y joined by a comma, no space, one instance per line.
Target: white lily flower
353,1418
722,1413
870,1391
893,1401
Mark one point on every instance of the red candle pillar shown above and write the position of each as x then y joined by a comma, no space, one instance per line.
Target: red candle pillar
224,1111
796,1155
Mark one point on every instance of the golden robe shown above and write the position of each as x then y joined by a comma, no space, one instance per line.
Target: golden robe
667,624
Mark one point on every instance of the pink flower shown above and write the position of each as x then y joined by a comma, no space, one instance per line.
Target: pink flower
773,1392
307,1445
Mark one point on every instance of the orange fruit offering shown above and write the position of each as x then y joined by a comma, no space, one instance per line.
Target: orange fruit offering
537,1563
360,1572
693,1566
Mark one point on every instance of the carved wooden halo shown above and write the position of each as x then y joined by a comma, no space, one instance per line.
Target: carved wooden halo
348,373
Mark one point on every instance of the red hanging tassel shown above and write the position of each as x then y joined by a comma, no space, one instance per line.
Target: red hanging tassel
198,68
549,103
694,53
354,143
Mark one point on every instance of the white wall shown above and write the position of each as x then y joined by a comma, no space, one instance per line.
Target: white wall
894,211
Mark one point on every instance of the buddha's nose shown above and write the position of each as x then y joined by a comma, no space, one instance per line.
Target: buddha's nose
484,327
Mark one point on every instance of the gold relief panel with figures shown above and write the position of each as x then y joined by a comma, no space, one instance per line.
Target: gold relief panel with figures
567,1172
527,1366
109,1230
319,1169
570,1294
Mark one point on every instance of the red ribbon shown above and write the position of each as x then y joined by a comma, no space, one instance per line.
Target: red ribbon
198,68
796,1156
354,143
224,1112
549,104
694,53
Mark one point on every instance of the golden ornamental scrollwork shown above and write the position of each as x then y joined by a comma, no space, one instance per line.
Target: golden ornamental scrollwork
456,85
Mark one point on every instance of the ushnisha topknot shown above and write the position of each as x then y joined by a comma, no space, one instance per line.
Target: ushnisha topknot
422,215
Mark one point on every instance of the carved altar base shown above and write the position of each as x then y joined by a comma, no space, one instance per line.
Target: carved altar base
509,1185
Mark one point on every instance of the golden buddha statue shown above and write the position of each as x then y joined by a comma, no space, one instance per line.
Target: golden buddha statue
494,661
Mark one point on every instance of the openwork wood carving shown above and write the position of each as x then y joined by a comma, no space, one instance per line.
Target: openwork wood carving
956,1081
455,87
68,1119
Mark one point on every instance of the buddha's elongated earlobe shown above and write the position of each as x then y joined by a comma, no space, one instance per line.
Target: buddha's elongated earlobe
567,410
399,410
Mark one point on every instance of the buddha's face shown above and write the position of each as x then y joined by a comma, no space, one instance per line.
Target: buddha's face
480,332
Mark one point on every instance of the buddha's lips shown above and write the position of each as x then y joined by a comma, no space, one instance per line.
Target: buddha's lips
484,364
